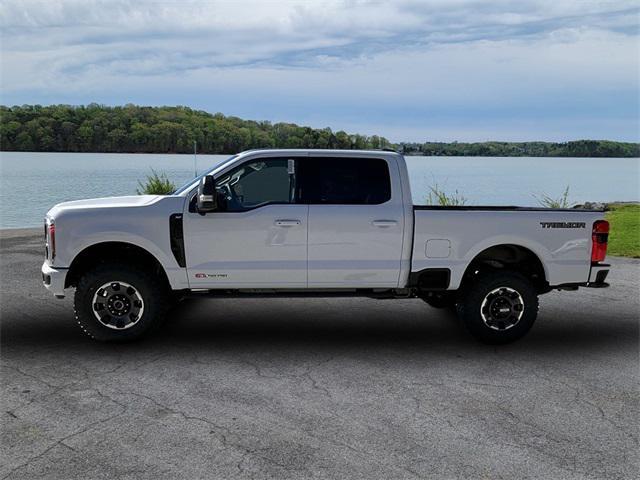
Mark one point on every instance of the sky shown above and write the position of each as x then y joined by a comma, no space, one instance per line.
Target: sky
431,70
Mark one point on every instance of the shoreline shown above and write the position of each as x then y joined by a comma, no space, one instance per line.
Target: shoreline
13,233
7,235
8,232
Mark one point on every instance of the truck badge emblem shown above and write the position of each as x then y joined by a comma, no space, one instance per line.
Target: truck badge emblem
563,224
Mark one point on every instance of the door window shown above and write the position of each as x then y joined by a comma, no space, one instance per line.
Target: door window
345,181
256,183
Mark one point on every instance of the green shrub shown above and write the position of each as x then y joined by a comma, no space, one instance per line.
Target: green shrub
156,184
549,202
440,197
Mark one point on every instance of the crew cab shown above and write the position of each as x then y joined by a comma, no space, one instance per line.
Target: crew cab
329,222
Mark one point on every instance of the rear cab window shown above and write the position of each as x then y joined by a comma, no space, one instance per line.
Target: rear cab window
343,181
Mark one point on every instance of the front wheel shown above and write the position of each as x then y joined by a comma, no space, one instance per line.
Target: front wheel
499,307
119,302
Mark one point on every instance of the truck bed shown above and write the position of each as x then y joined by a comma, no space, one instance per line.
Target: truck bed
451,237
494,208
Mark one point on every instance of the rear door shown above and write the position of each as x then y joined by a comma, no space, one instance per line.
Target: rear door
356,221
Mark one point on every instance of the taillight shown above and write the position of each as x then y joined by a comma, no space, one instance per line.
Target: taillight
52,240
599,239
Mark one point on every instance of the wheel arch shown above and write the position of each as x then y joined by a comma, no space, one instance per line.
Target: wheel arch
508,256
113,252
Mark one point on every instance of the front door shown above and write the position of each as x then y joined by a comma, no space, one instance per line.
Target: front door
356,222
258,236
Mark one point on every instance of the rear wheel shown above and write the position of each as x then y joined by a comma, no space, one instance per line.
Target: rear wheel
499,307
119,302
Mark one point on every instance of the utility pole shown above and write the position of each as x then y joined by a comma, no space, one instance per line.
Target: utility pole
195,161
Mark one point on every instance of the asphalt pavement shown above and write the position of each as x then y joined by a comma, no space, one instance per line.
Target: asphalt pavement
317,388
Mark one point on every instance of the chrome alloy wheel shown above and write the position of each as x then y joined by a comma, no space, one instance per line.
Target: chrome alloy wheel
502,308
117,305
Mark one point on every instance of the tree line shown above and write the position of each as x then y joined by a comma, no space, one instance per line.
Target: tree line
138,129
577,148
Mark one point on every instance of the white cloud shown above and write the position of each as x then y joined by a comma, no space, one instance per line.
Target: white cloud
195,34
335,58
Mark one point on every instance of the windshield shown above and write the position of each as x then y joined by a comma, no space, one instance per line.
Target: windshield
195,181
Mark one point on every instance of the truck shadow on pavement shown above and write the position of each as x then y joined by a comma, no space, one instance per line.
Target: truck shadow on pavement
419,327
321,324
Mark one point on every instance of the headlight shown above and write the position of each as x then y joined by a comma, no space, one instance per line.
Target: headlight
50,238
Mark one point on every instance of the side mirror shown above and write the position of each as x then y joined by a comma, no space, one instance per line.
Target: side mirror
207,196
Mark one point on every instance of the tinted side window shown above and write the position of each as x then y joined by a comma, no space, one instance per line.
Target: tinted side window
346,181
255,183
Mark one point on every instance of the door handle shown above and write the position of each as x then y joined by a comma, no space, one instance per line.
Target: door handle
287,223
384,223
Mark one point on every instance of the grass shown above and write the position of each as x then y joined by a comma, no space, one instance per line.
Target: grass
156,184
624,233
547,201
437,196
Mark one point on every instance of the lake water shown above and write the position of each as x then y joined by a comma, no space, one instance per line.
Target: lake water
31,183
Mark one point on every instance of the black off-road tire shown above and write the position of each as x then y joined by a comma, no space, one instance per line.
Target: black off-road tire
152,289
481,323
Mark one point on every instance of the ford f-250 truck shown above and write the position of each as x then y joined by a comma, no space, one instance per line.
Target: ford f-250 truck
310,222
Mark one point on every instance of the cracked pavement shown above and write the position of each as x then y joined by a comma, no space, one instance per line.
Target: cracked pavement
317,388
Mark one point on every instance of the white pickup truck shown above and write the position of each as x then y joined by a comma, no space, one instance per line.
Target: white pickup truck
310,222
